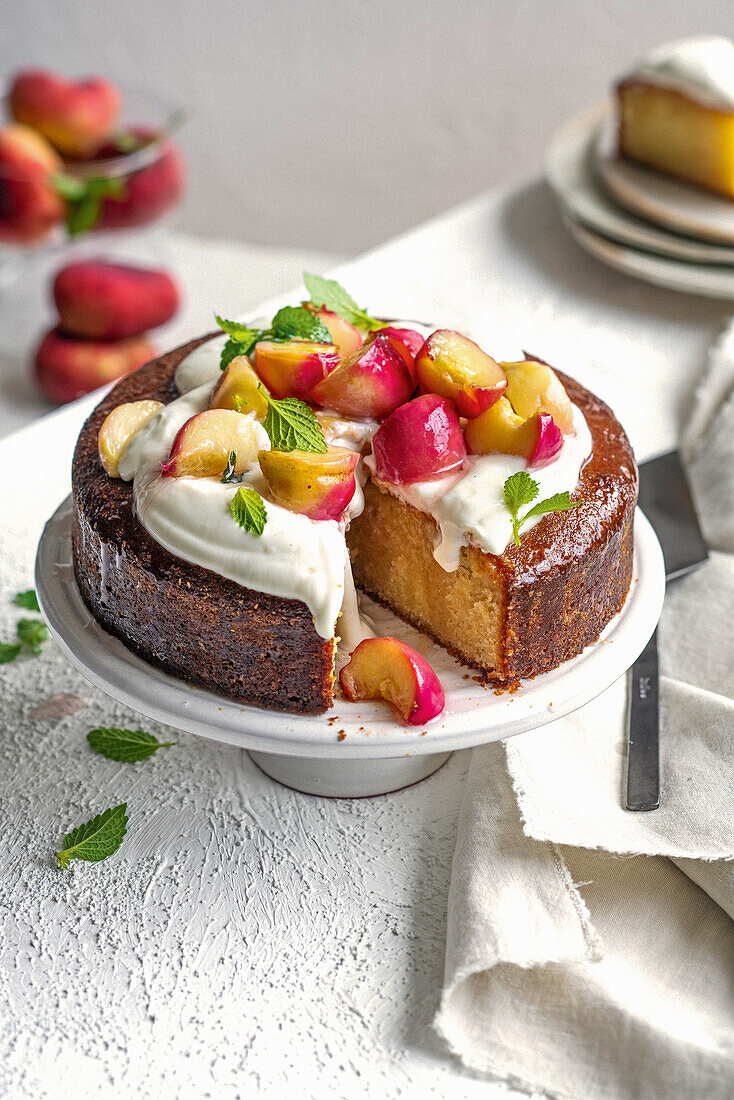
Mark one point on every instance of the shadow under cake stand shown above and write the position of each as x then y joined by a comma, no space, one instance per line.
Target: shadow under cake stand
355,749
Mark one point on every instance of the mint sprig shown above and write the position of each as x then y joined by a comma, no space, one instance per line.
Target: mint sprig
27,600
299,323
248,510
83,198
521,489
289,323
331,295
31,635
292,426
97,839
125,746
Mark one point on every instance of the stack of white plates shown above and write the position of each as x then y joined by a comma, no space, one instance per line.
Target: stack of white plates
636,220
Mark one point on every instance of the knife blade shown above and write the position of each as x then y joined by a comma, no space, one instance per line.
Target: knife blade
665,498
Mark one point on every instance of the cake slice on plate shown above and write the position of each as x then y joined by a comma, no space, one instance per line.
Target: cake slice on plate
676,113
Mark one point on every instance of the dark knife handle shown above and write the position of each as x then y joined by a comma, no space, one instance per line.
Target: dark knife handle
643,752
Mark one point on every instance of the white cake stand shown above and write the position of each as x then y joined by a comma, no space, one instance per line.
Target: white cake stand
356,749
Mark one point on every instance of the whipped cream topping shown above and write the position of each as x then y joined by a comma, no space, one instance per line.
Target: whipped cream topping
303,559
295,557
701,68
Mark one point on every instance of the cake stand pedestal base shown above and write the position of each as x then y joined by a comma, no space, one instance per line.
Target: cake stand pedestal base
348,778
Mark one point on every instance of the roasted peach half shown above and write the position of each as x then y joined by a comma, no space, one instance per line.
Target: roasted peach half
204,443
240,381
318,485
386,668
372,382
421,440
535,388
293,368
499,430
453,366
118,428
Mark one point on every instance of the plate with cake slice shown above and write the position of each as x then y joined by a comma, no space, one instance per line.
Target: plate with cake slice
332,540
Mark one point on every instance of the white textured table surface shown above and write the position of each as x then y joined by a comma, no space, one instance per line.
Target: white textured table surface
246,937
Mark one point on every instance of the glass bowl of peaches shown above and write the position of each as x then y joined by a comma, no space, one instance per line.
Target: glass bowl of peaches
81,157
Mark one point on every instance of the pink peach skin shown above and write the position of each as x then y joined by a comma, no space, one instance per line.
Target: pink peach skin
76,116
346,336
420,441
292,369
386,668
407,341
29,206
452,365
102,301
149,192
550,441
67,368
372,382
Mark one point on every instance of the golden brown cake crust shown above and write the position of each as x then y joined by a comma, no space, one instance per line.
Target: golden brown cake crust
196,625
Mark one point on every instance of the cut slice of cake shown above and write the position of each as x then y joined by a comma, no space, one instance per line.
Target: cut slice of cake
676,113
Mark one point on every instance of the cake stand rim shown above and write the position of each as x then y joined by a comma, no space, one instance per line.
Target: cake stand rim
106,662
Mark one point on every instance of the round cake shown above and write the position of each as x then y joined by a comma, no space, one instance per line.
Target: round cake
158,566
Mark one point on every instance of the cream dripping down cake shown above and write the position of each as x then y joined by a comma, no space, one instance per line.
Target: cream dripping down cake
232,496
676,112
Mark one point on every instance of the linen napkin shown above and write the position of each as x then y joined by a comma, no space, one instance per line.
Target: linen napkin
589,951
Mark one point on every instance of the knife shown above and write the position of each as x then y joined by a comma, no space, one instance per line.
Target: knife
666,500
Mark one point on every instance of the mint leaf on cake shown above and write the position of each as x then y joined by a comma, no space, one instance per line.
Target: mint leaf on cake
248,510
292,426
332,296
299,323
521,489
97,839
125,746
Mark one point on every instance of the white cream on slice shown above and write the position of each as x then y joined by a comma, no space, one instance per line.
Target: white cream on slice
469,507
307,560
700,68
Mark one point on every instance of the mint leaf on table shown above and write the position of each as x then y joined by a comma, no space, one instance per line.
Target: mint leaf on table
248,510
521,489
97,839
299,323
27,600
331,295
125,746
8,652
31,633
292,426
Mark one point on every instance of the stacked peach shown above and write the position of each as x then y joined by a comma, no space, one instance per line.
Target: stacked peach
58,123
105,311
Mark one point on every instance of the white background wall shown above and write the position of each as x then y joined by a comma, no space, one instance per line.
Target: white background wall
335,124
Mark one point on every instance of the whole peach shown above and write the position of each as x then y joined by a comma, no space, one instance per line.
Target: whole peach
103,301
67,367
29,205
76,116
